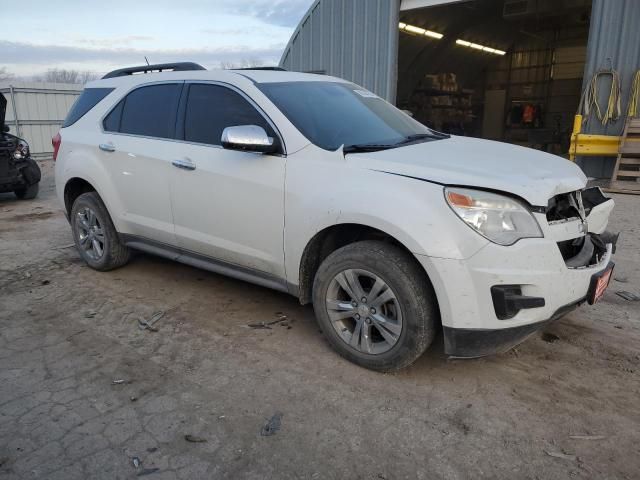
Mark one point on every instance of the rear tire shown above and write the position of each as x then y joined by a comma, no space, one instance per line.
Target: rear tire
28,193
94,234
395,325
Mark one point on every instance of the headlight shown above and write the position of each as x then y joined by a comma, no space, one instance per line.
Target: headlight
21,151
501,219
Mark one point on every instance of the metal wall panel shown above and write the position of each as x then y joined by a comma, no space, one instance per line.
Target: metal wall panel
352,39
569,62
40,109
614,41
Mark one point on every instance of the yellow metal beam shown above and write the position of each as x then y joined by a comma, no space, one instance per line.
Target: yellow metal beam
594,146
591,145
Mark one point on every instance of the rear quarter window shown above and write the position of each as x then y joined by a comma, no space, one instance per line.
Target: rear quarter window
89,98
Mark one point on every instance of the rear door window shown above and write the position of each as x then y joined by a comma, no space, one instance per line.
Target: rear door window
148,111
212,108
89,98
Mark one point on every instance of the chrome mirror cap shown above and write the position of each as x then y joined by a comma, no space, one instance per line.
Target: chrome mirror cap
249,138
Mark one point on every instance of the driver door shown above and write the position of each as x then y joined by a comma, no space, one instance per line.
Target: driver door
227,205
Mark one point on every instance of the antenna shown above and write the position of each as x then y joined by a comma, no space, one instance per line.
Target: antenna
146,60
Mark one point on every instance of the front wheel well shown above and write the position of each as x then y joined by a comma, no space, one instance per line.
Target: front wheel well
327,241
73,189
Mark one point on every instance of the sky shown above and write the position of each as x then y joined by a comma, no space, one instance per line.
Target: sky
99,36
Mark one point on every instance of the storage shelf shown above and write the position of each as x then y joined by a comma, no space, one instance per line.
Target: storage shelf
450,107
433,92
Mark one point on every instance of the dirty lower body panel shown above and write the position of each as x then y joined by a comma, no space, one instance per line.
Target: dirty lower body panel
474,343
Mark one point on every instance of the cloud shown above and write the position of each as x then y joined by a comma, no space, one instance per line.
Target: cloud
111,41
283,13
17,53
205,31
234,31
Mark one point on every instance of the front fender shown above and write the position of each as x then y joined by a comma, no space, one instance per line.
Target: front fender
323,190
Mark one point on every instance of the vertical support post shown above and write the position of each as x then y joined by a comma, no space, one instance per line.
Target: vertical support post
15,111
577,128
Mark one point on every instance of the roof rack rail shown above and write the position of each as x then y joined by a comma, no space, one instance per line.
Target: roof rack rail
273,69
176,67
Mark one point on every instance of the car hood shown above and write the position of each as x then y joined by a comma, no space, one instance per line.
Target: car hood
530,174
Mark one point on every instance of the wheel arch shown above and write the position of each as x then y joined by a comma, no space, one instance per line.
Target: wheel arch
331,238
73,188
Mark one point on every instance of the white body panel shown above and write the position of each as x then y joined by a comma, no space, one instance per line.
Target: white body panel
260,212
231,207
140,171
530,174
398,206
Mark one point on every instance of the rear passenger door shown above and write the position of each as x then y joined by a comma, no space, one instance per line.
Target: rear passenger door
137,149
228,205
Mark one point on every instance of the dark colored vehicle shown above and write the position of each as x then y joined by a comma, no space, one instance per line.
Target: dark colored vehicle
19,173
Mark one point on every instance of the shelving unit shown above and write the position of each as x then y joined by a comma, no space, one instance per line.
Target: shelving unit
458,111
536,76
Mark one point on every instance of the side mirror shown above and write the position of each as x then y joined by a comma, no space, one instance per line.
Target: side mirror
5,129
248,138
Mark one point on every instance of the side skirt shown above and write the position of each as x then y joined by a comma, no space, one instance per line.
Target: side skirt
204,262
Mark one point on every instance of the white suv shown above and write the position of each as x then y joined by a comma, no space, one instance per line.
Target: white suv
317,187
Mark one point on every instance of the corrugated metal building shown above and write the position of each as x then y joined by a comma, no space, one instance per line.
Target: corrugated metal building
353,39
614,42
510,70
35,111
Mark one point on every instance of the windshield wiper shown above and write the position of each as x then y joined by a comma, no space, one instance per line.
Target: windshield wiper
367,147
421,136
373,147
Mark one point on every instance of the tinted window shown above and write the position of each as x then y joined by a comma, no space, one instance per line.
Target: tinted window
212,108
85,102
149,111
332,114
112,121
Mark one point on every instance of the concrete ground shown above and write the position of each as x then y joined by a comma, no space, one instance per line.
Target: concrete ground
84,393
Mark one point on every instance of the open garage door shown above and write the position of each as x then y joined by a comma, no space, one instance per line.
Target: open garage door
508,70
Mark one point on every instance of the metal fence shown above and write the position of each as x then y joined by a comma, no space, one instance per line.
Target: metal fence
35,111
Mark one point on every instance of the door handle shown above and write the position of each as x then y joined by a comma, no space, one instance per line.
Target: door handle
184,164
107,147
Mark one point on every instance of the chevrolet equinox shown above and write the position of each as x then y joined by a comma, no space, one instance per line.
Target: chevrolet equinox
317,187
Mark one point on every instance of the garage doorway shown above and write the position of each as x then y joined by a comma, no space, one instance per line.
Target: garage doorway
507,70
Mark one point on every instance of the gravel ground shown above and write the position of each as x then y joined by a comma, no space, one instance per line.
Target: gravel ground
85,393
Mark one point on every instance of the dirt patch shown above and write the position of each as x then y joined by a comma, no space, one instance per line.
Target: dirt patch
31,216
85,390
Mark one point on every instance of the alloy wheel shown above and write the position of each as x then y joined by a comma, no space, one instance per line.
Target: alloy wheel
90,233
364,311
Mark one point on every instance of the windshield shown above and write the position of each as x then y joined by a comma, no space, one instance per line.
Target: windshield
332,114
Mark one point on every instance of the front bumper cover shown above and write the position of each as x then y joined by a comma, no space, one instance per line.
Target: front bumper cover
474,343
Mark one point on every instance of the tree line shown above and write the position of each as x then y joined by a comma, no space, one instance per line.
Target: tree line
62,75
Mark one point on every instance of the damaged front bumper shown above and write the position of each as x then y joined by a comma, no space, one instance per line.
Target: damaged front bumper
474,343
495,299
15,173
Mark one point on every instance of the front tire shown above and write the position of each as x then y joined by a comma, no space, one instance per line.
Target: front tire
375,305
28,193
94,234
